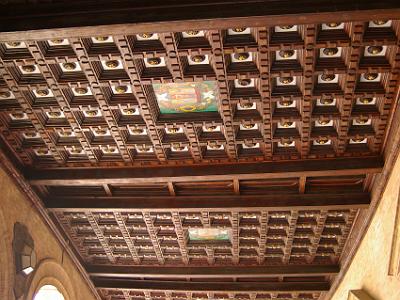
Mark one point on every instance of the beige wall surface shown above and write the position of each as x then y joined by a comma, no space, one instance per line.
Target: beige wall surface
370,266
53,266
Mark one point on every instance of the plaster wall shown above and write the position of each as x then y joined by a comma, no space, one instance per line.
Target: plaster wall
54,265
370,267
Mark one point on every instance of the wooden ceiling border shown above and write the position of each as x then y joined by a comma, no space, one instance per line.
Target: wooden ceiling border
98,20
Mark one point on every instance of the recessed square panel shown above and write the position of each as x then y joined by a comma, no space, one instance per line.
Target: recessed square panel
179,148
286,81
322,142
144,149
58,42
112,65
238,31
18,116
70,67
130,111
286,125
370,77
380,23
75,151
137,131
198,60
330,52
286,104
286,144
15,45
101,132
287,28
147,37
92,113
43,93
211,128
173,98
121,89
326,102
102,39
215,147
286,55
362,122
358,141
64,133
366,101
250,126
55,114
42,152
209,234
241,57
155,62
246,106
323,123
250,145
192,34
244,83
109,150
174,130
31,135
82,91
332,26
375,51
328,79
29,69
7,95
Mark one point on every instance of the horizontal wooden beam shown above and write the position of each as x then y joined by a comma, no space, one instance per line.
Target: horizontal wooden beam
190,286
211,272
241,171
93,18
195,203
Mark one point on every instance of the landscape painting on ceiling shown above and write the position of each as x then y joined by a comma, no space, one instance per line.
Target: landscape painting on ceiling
187,97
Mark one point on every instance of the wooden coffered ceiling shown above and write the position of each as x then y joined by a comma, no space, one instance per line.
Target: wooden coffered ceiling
284,161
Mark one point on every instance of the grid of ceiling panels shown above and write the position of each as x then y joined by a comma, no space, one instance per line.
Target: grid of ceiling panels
298,91
259,237
132,295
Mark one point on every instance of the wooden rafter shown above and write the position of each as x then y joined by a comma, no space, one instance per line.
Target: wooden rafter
193,203
260,170
211,272
142,285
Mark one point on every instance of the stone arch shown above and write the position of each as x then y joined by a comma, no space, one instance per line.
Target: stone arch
50,272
